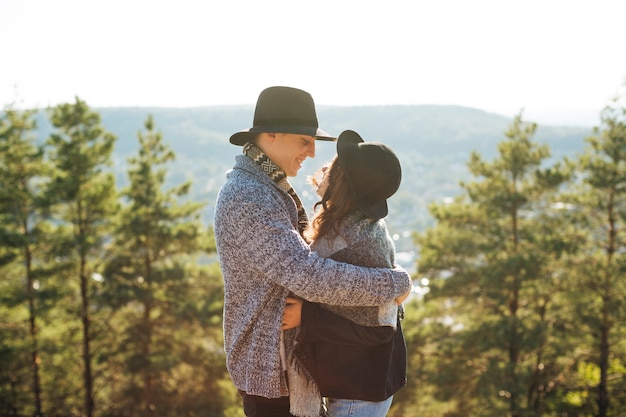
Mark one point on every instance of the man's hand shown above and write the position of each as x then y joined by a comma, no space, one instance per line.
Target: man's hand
292,316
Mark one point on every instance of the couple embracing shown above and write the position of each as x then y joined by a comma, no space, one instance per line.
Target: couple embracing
312,308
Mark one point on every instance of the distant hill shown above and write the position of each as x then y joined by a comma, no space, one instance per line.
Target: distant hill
428,129
433,143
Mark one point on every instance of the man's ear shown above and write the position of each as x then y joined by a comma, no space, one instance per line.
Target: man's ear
265,141
267,137
273,139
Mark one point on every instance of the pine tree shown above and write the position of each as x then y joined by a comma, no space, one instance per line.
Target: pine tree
599,270
23,173
149,280
492,258
81,149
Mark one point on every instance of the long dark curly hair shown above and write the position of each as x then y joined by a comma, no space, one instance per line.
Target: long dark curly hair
337,202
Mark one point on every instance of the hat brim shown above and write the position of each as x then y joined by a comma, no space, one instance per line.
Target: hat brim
242,137
346,142
375,211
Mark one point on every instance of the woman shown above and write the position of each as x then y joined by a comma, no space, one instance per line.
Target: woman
357,369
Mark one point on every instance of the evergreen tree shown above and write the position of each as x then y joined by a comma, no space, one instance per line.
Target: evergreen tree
599,270
152,286
492,259
81,150
22,176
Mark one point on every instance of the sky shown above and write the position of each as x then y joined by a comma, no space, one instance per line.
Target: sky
558,61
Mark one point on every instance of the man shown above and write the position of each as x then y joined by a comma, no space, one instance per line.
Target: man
258,224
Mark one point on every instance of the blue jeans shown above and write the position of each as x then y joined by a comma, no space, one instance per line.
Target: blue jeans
356,408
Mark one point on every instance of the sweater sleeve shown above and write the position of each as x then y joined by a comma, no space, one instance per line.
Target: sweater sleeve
260,234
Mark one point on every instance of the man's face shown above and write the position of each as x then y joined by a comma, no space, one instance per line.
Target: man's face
288,150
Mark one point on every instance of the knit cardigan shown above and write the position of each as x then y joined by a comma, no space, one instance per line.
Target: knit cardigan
263,259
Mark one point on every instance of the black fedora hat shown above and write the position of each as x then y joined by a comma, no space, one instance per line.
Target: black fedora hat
373,171
283,110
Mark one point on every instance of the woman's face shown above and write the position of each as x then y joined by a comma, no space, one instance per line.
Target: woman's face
320,180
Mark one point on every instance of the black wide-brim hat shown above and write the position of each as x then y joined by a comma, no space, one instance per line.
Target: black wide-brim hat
283,110
373,171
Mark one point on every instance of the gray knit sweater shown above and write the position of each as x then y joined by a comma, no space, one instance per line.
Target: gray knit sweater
263,258
366,242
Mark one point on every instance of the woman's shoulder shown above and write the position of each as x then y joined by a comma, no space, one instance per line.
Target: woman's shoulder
357,226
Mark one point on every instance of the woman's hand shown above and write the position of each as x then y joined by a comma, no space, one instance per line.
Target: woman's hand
404,296
292,316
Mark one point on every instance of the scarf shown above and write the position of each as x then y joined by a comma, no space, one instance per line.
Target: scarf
280,178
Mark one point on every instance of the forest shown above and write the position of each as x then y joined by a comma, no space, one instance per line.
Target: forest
111,293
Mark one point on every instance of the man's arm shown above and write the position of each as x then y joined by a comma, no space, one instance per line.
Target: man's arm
261,232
